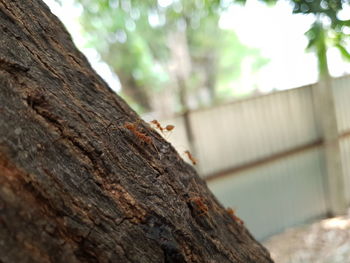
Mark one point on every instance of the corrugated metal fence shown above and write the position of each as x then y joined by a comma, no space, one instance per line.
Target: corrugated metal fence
263,156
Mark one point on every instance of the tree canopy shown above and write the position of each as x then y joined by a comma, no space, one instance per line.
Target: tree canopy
151,44
176,46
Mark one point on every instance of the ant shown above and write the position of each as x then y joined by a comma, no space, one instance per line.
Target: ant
167,128
155,122
232,213
203,208
190,156
142,136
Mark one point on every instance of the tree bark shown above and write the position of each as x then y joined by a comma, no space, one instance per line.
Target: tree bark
78,183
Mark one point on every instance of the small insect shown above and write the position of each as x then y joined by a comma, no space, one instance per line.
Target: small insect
190,156
167,128
157,124
232,213
142,136
198,201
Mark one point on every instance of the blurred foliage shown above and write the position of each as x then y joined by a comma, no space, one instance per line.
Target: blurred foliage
132,37
328,30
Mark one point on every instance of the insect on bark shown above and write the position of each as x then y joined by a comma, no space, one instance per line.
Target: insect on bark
190,156
167,128
142,136
201,206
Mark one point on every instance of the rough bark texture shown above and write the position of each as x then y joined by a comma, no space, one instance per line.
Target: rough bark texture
76,185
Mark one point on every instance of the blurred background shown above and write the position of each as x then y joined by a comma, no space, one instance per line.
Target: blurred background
258,93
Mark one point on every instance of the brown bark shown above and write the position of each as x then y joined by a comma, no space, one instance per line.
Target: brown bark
76,185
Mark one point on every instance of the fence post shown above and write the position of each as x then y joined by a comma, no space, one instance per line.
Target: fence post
326,113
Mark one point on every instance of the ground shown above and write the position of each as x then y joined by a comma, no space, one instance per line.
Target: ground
324,241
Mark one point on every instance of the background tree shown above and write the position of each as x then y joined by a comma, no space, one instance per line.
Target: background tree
160,46
82,178
142,33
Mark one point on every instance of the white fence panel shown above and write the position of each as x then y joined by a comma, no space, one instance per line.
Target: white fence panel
276,195
341,91
345,155
248,130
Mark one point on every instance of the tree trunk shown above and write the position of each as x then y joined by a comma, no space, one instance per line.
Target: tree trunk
210,70
181,64
82,179
135,91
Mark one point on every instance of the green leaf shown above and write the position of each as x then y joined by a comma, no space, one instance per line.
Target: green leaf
343,51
